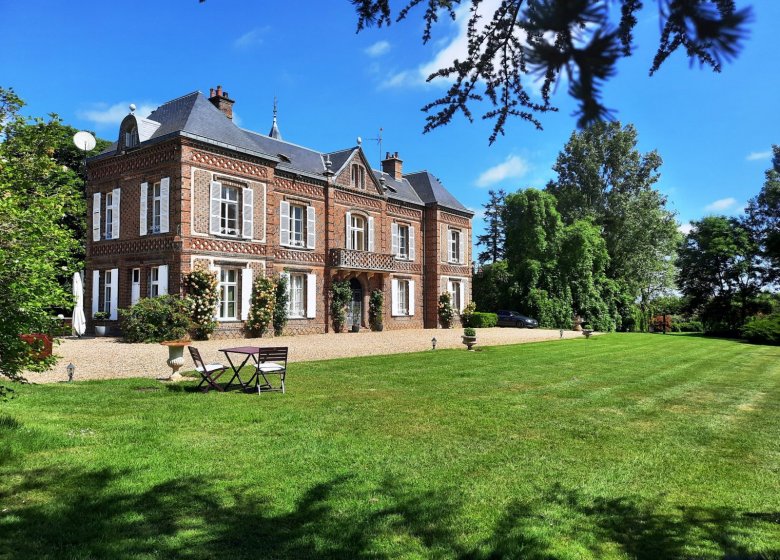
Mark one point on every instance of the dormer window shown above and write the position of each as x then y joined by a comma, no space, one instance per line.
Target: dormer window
358,176
131,138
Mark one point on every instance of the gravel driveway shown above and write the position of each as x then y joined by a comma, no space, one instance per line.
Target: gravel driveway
108,358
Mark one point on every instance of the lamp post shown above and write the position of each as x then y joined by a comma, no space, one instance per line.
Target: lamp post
71,369
433,343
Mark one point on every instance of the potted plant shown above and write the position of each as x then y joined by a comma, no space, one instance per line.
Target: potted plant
469,337
376,310
100,318
340,294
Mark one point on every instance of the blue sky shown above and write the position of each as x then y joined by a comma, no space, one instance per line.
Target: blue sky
87,61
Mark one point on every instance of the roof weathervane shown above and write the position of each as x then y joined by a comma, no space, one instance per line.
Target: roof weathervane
275,133
378,140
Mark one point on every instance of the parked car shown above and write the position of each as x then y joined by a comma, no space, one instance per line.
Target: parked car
514,319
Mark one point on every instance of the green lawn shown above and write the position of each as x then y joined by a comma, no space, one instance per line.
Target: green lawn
621,446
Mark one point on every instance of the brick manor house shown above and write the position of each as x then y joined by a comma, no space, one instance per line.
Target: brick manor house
186,187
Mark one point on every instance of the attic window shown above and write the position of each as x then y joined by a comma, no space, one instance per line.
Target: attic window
284,158
358,176
131,138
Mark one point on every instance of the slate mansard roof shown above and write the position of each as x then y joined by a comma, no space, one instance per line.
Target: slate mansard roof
194,116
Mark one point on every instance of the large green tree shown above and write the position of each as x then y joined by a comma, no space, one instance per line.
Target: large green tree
720,273
763,217
493,238
578,42
602,176
41,206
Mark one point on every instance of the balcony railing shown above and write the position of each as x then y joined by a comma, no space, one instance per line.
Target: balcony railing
361,260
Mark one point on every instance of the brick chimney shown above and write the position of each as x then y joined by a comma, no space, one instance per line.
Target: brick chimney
221,101
392,165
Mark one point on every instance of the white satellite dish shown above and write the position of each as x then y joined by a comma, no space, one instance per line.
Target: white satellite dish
84,141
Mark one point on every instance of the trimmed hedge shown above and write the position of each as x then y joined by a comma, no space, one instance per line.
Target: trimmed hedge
156,319
687,326
479,320
763,330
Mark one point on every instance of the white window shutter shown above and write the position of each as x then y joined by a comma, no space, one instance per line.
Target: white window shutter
462,248
394,297
246,292
311,227
115,220
95,291
215,271
411,297
348,222
311,295
96,217
248,213
114,293
165,197
462,295
412,252
445,244
371,233
162,279
284,223
143,208
394,245
215,212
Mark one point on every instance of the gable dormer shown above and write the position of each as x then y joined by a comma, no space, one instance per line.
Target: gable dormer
355,173
134,130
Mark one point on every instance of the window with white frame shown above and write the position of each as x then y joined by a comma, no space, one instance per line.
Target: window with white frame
156,207
107,283
227,289
403,241
109,231
357,231
456,294
228,211
454,246
154,281
296,307
358,176
403,297
297,225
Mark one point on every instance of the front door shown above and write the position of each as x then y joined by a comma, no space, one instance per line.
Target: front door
355,308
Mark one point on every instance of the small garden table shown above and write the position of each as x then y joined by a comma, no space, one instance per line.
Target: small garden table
247,352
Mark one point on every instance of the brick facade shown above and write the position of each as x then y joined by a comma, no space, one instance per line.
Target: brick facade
192,165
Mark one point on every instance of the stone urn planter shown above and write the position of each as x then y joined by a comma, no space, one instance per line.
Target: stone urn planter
469,338
175,357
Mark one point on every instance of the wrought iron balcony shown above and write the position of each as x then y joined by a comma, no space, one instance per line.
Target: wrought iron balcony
361,260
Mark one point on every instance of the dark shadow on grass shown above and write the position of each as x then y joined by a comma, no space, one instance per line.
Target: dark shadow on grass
98,514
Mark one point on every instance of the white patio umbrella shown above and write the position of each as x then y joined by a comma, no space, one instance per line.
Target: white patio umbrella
79,321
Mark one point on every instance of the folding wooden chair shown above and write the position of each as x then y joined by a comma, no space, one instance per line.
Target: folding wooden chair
208,372
271,361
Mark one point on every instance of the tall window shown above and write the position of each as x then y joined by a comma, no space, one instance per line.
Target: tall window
455,294
154,282
358,176
454,246
228,286
156,206
297,223
228,203
403,241
403,297
107,291
131,138
295,306
357,230
109,216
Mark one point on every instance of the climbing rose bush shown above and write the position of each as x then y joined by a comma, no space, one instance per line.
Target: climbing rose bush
261,311
202,296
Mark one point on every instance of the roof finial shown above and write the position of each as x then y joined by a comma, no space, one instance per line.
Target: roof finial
274,127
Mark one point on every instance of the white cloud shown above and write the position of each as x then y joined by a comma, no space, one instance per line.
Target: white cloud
755,156
513,167
479,214
721,205
251,38
685,228
378,49
103,114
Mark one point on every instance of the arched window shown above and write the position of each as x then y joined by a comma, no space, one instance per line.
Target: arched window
358,176
131,137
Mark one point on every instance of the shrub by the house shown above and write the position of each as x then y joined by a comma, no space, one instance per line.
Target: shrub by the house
261,311
480,320
201,288
157,319
280,306
446,311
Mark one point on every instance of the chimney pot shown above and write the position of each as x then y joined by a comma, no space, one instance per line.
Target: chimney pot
392,165
221,101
